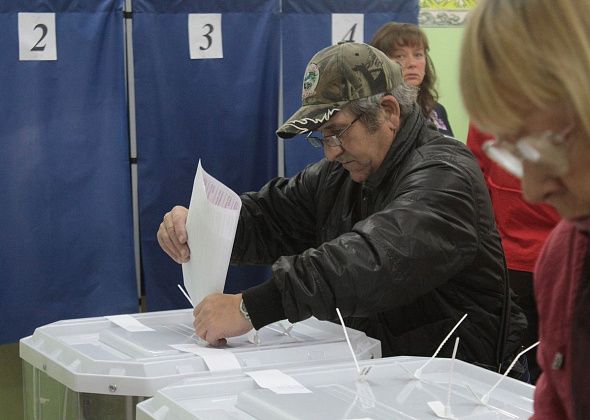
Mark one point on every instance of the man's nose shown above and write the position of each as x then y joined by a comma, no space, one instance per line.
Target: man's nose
332,152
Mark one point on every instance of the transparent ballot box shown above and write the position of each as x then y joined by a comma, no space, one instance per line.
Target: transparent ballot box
93,368
337,391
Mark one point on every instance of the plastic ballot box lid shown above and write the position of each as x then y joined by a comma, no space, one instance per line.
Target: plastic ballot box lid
336,391
96,355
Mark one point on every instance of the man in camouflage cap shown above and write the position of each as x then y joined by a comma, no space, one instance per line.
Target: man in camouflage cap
336,76
394,227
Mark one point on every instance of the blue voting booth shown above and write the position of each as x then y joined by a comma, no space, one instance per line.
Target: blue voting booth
67,235
220,106
310,25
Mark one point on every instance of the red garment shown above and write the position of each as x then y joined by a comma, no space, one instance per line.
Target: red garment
562,298
523,226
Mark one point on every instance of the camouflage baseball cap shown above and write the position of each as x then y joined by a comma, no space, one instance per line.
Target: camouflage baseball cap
337,75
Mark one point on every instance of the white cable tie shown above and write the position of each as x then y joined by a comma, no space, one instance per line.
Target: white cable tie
361,373
451,373
486,397
444,411
283,330
418,371
185,295
253,337
498,409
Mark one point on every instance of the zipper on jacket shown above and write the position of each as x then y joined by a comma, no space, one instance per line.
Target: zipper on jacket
365,196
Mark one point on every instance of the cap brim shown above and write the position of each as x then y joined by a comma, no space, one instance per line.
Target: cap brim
308,118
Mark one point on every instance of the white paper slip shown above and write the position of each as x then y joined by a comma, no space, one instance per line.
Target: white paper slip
216,359
211,228
128,323
278,382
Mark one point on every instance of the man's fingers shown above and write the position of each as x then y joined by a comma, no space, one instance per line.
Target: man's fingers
168,236
167,245
208,335
175,224
178,216
218,343
214,339
218,317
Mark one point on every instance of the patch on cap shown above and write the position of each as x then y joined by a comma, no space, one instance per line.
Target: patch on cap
310,80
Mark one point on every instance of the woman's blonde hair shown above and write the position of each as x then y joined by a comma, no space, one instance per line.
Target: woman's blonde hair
394,35
522,56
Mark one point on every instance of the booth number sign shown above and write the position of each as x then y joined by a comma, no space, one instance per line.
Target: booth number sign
205,36
36,37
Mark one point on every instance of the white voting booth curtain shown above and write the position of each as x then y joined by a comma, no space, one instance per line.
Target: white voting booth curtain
67,233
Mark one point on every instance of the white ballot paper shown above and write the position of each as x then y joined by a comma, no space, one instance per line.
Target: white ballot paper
211,227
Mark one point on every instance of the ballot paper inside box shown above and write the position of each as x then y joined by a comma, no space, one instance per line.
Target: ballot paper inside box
335,392
93,369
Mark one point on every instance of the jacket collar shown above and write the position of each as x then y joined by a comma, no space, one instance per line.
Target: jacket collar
403,142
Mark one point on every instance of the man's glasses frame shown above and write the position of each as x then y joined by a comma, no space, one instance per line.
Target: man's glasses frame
334,140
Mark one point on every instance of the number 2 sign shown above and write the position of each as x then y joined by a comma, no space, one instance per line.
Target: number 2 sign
204,35
36,37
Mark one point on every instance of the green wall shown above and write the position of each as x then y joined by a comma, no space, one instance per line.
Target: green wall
445,48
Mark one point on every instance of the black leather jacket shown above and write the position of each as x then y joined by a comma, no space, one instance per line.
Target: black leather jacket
403,255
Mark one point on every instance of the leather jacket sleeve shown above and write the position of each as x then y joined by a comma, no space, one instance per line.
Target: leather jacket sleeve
424,234
278,220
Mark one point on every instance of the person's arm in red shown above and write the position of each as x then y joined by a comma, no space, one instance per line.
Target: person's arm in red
475,139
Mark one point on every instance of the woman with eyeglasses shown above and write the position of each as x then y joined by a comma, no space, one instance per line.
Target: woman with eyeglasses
408,45
525,78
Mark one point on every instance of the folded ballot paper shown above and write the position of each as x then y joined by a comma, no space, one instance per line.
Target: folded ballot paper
211,227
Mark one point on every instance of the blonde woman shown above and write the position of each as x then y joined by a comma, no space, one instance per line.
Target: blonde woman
525,78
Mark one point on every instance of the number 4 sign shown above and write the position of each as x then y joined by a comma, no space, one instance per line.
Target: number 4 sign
347,27
36,37
204,35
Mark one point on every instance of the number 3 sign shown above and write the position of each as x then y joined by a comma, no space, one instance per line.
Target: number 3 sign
36,37
204,35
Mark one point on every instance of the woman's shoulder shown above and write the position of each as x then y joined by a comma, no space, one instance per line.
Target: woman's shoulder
439,118
565,242
440,109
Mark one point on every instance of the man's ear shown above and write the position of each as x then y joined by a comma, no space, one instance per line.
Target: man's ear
392,110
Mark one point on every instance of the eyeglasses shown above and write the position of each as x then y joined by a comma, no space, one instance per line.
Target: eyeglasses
332,141
547,149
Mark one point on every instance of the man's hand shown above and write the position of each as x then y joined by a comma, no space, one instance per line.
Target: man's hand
172,235
218,317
